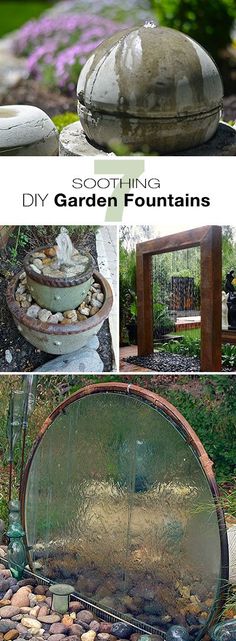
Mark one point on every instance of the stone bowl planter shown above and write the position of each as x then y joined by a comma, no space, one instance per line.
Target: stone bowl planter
58,294
53,338
150,87
27,131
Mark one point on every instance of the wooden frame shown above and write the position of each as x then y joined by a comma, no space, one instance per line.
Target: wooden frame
209,239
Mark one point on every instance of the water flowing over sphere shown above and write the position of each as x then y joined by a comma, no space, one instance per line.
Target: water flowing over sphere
150,87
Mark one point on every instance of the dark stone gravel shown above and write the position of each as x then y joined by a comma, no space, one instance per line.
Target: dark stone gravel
164,362
26,357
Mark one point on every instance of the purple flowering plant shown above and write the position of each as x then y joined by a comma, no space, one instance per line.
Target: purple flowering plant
57,46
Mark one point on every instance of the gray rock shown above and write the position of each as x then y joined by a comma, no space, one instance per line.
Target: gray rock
73,142
56,637
58,628
76,629
50,618
121,630
8,356
44,315
85,616
93,342
83,360
9,611
7,624
33,311
8,595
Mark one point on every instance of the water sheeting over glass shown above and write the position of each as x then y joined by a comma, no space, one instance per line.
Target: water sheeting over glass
176,291
118,504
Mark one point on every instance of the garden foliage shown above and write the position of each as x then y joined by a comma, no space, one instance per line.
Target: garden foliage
209,23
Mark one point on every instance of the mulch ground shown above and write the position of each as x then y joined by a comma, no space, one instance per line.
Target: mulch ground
25,357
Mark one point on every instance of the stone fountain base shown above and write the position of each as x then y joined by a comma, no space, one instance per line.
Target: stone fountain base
73,142
54,337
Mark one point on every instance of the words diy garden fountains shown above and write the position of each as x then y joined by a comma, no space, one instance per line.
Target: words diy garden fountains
149,88
27,131
127,512
59,301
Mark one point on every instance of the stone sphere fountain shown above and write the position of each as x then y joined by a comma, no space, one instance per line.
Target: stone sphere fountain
59,301
149,88
27,131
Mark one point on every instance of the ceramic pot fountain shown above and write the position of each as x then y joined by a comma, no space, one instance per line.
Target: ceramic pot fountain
56,338
27,131
58,293
150,87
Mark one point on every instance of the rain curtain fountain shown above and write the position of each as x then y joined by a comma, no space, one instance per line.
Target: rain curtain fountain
209,240
127,511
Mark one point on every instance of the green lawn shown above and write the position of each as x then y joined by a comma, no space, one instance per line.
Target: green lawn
14,14
188,333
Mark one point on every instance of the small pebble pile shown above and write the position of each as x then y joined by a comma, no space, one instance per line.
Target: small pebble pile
25,613
90,306
46,262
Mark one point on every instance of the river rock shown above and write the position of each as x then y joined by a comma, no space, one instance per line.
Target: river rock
85,615
94,625
35,269
44,610
68,619
56,637
103,636
50,618
55,318
71,314
58,628
22,629
43,316
121,630
41,589
37,263
29,622
11,634
9,611
105,627
74,637
88,636
34,611
33,311
100,297
21,598
76,629
7,595
7,624
76,606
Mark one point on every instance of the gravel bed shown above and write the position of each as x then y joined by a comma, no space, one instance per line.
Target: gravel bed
163,362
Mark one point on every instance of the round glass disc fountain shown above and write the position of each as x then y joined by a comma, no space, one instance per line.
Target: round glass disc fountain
127,512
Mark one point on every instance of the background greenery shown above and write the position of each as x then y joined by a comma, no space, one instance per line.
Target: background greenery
15,14
180,264
207,402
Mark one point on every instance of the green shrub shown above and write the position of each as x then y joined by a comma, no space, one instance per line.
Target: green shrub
229,355
128,296
62,120
209,22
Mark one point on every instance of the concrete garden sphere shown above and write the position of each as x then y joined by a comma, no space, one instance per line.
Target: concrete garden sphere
27,131
150,87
